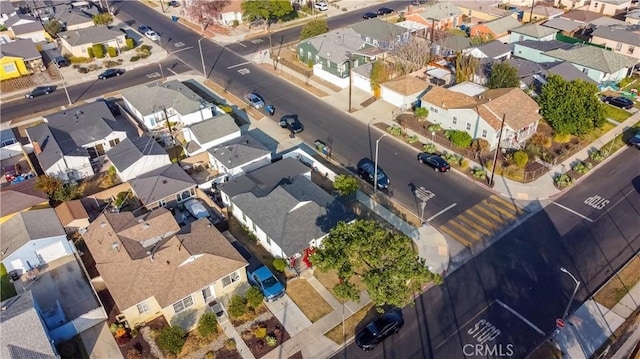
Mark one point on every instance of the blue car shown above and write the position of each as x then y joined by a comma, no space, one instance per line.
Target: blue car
263,279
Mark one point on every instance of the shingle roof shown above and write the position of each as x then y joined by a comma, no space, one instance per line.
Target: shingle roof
6,7
27,28
633,14
502,25
615,2
22,48
149,98
546,11
594,58
582,16
562,24
17,17
482,6
89,35
126,153
494,49
570,72
526,69
264,179
23,333
440,11
608,21
239,151
27,226
70,211
379,30
335,45
534,30
214,128
456,42
161,183
406,85
623,36
169,268
544,45
71,17
20,196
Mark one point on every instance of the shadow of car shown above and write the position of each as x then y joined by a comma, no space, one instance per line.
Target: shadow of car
379,329
40,90
263,279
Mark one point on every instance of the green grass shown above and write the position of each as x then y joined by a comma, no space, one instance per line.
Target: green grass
615,113
456,31
7,290
621,140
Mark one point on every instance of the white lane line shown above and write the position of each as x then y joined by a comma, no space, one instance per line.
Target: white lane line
238,65
173,72
186,48
441,212
574,212
521,317
241,44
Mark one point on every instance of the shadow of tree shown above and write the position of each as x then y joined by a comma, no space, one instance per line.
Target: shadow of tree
186,319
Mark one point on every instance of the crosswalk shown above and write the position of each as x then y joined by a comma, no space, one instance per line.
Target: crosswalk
482,221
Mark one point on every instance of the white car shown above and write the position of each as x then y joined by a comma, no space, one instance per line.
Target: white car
152,35
196,208
321,6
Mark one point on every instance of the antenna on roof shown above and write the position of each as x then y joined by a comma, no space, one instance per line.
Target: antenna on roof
115,246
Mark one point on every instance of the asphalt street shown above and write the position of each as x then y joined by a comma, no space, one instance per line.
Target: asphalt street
506,299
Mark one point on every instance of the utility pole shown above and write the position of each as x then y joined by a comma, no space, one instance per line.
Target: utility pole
495,156
166,118
204,69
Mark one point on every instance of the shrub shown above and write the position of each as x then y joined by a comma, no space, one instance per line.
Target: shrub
207,324
583,167
120,61
130,43
236,23
625,82
563,180
479,145
225,109
429,148
133,353
271,341
479,173
83,70
260,332
134,58
79,60
145,48
109,63
599,155
90,53
171,339
254,297
112,51
230,344
452,158
98,50
434,128
541,140
210,355
143,55
464,164
394,130
279,264
345,184
412,139
520,158
459,138
237,306
562,138
421,113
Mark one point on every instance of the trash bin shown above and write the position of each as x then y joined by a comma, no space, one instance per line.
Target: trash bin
174,18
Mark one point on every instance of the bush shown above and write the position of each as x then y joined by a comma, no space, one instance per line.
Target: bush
421,113
345,184
429,148
225,109
83,70
434,128
520,158
479,145
563,180
90,53
171,339
452,158
479,173
236,23
79,60
260,332
459,138
279,264
599,155
271,341
134,58
145,48
98,50
210,355
207,324
541,140
133,353
394,130
112,51
130,43
562,138
238,306
625,82
109,63
230,344
254,297
412,139
583,167
464,164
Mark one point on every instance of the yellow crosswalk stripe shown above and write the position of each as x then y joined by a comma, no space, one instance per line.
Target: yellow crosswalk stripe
506,203
489,213
468,232
499,209
455,236
474,225
484,221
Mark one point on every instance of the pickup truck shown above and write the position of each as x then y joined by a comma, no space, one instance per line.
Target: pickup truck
263,279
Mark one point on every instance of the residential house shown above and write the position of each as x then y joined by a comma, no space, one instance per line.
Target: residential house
26,27
19,58
230,14
164,186
566,27
468,88
381,34
481,116
201,136
569,4
481,10
152,268
452,45
633,17
609,21
283,208
488,53
497,29
440,15
361,78
24,331
532,32
73,216
529,73
599,64
152,104
240,155
582,16
73,19
403,91
70,141
76,42
133,157
569,72
540,12
536,50
6,11
32,239
621,41
609,7
20,197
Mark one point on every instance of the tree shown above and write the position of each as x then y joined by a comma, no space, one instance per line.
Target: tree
520,158
207,324
66,192
380,73
410,56
503,75
205,11
171,339
265,9
571,107
385,260
466,68
98,50
314,28
345,184
48,185
479,39
479,145
53,27
254,297
103,19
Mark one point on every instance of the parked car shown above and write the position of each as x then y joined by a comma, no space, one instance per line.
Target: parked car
292,123
619,101
143,29
379,329
321,6
174,3
434,161
61,61
256,101
196,208
152,35
366,171
385,11
369,15
635,141
109,73
40,90
263,279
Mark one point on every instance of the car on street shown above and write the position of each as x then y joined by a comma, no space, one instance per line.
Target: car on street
635,141
174,3
109,73
321,6
379,329
263,279
619,101
143,29
292,123
256,101
195,207
366,171
152,35
434,161
369,15
40,90
385,11
61,61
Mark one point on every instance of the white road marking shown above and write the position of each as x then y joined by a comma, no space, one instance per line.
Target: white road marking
521,317
173,72
256,41
153,75
244,71
186,48
241,44
238,65
179,44
441,212
574,212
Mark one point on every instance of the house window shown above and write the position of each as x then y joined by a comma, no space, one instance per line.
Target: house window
244,218
182,304
114,142
143,307
521,38
230,279
595,5
468,126
618,46
184,195
484,133
255,228
455,120
630,50
268,240
433,109
206,294
9,68
301,52
317,58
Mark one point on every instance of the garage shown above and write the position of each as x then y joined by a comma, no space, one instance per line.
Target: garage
51,252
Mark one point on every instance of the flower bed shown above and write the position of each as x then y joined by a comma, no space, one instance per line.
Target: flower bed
263,336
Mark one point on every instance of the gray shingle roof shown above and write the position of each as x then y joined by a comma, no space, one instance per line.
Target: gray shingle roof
22,48
335,45
27,226
456,42
239,151
440,11
570,72
27,28
71,17
503,24
594,58
89,35
545,45
23,334
494,49
6,7
17,17
526,69
129,151
534,30
562,24
149,98
582,16
364,70
215,128
633,14
264,179
379,30
161,183
623,36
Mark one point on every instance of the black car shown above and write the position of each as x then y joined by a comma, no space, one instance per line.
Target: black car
39,91
635,141
143,29
434,161
366,171
379,329
174,3
110,73
61,61
369,15
292,123
619,101
384,11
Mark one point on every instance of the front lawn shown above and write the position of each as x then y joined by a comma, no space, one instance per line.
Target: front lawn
619,286
308,299
350,325
7,290
621,139
596,134
615,113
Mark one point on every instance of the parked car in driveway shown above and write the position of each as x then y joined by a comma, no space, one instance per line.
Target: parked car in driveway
321,6
254,100
434,161
369,15
379,329
109,73
61,61
196,208
152,35
263,279
619,101
39,91
366,171
292,123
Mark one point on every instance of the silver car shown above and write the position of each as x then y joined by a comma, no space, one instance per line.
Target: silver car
196,208
254,100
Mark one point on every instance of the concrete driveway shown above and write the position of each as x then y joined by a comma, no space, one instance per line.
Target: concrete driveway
289,315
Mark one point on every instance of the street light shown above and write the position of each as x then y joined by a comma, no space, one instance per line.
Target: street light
575,290
204,69
64,85
375,165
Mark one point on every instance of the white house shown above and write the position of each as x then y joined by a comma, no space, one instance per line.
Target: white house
238,156
77,42
230,14
599,64
206,134
532,32
134,157
403,91
32,239
569,4
361,77
609,7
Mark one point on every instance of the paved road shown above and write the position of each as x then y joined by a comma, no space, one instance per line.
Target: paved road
517,280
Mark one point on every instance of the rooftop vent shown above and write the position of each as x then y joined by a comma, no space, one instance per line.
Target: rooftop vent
115,246
140,220
145,226
103,224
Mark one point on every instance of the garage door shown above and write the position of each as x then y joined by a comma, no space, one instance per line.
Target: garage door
52,252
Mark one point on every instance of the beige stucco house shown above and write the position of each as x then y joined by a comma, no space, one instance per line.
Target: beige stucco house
609,7
622,41
76,42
